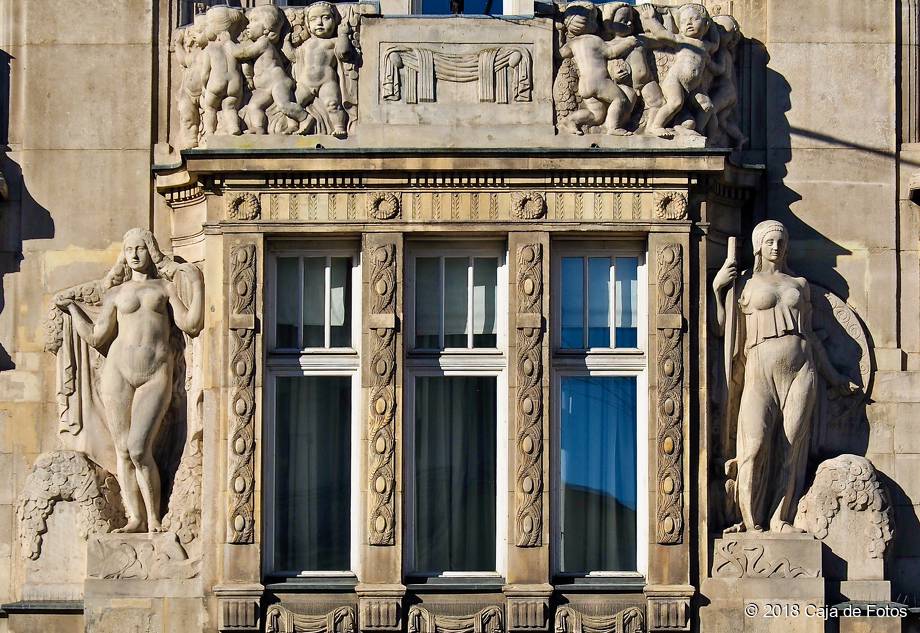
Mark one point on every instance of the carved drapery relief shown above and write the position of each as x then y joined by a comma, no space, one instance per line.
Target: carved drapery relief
291,71
67,476
529,401
279,619
504,74
669,524
487,620
241,205
241,453
382,414
383,205
570,620
649,70
737,559
848,482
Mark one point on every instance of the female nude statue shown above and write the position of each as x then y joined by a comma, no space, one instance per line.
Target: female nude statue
139,307
781,359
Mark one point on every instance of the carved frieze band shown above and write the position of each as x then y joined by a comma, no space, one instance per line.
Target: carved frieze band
279,619
529,401
487,620
669,524
241,455
570,620
382,403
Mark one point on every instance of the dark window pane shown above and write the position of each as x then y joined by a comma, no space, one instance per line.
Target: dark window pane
286,296
456,301
573,302
314,301
455,470
598,474
312,474
598,302
468,7
427,302
485,300
340,303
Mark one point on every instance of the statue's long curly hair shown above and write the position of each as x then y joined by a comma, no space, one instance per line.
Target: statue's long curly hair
164,265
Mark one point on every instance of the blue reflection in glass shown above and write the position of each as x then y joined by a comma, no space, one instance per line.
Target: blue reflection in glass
599,473
598,302
626,276
573,302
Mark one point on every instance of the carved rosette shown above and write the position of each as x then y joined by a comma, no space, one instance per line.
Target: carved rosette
529,398
241,455
242,205
670,205
570,620
382,402
487,620
279,619
669,524
383,205
528,205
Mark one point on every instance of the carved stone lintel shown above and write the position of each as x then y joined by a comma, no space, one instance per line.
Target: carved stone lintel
487,620
570,620
279,619
241,449
238,608
381,528
529,400
668,607
670,406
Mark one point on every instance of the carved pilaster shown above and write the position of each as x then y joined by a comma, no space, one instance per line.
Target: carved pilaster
670,410
241,454
528,413
381,435
238,608
668,607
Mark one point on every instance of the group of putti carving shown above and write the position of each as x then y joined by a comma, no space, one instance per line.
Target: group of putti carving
268,71
646,69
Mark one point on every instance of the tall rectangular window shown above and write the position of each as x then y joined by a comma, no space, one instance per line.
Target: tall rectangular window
312,396
455,408
599,499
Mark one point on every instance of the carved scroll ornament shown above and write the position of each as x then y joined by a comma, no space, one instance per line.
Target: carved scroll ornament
669,524
382,414
529,401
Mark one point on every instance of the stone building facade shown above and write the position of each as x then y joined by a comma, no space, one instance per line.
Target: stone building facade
571,317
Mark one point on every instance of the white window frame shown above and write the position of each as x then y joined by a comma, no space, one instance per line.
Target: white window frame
288,362
598,362
458,362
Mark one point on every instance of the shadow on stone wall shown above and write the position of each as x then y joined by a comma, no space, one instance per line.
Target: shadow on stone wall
21,216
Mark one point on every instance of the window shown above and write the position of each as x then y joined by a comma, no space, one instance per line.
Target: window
600,521
312,410
455,410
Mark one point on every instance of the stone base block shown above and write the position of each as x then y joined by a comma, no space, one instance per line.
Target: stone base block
44,623
870,625
865,591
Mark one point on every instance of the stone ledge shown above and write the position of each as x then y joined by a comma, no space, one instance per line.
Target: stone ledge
42,606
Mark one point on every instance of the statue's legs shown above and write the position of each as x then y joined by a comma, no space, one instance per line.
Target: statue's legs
117,395
151,401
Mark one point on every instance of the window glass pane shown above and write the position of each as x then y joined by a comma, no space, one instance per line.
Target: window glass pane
312,473
427,302
485,298
573,302
287,312
469,7
598,302
340,303
455,470
598,473
456,301
314,301
627,301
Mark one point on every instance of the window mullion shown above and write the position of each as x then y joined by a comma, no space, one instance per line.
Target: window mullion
327,302
469,303
612,302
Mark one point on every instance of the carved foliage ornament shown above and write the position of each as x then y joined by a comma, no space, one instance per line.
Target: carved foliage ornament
383,205
528,205
529,400
241,453
669,527
570,620
382,413
279,619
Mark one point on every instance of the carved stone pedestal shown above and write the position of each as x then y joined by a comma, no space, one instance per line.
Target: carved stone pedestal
142,582
765,583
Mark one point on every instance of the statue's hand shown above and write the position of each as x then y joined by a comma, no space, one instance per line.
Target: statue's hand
646,10
843,389
727,274
63,303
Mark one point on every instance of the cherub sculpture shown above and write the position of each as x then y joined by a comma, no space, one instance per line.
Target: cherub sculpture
603,102
724,93
271,85
318,59
189,44
692,47
221,73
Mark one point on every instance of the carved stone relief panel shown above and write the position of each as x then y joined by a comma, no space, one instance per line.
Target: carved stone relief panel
529,400
750,558
241,432
670,405
279,619
571,620
381,515
487,620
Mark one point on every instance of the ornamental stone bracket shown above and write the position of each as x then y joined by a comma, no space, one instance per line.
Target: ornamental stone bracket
527,608
239,608
380,607
668,607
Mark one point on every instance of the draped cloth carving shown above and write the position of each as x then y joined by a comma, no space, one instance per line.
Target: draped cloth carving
241,456
381,514
570,620
487,620
669,524
529,401
279,619
504,74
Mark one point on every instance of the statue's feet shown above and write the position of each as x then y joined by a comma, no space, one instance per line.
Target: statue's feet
133,526
155,527
567,126
660,132
293,111
783,527
619,131
339,132
737,528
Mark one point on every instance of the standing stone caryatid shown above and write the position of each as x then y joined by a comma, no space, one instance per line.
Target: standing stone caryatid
777,361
